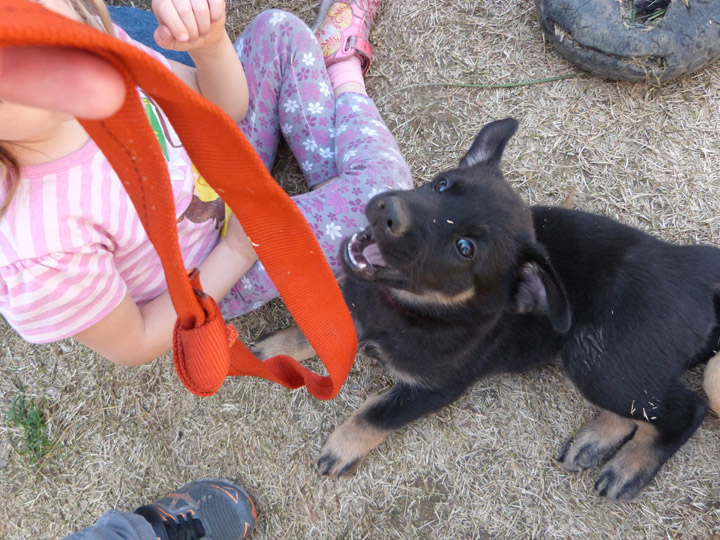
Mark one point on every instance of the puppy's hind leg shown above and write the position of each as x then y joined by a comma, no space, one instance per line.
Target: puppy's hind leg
595,441
290,341
665,428
376,418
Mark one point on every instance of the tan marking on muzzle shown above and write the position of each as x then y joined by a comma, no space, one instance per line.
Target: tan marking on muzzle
433,298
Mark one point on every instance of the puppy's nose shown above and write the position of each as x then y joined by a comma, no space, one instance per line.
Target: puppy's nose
393,215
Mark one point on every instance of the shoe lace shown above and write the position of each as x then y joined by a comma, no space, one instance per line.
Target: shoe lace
184,528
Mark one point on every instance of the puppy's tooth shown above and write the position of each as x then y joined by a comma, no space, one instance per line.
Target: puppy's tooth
349,253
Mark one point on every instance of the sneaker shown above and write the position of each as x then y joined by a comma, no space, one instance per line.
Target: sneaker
208,509
342,28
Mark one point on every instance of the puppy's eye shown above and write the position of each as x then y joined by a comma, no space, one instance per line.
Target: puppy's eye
441,186
465,247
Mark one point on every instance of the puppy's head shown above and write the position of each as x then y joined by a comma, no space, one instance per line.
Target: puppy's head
464,239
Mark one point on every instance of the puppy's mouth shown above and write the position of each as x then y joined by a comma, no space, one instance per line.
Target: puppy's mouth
362,257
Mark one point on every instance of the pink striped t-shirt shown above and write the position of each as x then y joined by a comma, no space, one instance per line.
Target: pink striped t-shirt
72,245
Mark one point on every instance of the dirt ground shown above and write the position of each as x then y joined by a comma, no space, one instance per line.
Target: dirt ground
482,468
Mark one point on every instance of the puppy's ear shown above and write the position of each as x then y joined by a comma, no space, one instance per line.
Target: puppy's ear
490,143
539,290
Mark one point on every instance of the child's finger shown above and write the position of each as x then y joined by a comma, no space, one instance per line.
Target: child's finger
178,18
53,79
201,11
217,9
186,11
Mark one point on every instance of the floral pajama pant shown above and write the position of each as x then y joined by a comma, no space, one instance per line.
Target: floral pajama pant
341,138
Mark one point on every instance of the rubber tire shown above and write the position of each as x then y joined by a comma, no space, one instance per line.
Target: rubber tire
593,35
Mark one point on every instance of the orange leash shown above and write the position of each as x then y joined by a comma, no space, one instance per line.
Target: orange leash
205,349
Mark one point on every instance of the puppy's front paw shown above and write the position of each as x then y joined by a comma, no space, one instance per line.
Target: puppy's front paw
335,464
290,341
348,446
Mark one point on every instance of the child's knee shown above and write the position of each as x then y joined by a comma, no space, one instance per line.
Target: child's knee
387,170
282,23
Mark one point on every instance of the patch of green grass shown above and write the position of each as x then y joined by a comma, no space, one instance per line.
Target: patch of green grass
650,11
28,415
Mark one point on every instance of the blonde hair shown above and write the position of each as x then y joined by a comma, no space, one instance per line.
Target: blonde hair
88,11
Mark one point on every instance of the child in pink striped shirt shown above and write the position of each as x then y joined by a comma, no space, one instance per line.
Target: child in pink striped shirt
74,258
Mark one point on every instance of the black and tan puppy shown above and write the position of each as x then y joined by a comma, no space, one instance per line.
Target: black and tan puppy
459,278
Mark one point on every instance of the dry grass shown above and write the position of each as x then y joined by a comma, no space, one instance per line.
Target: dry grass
483,468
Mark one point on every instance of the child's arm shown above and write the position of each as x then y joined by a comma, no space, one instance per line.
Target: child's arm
199,29
133,335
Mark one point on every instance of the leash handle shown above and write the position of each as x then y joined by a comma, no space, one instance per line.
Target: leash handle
204,348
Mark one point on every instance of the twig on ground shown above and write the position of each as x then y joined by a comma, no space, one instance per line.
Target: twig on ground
481,86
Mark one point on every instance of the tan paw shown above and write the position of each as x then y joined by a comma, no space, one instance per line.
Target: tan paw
595,441
349,444
632,468
290,341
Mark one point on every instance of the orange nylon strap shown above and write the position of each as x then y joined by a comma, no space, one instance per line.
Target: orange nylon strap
205,349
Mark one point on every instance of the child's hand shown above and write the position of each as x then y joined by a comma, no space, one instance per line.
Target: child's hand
189,25
198,27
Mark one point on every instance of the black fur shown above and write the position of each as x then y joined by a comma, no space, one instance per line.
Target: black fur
471,281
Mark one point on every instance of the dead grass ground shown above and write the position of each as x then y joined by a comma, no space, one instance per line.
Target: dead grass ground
483,468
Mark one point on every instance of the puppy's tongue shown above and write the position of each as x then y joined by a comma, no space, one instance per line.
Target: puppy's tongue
372,255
